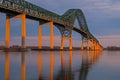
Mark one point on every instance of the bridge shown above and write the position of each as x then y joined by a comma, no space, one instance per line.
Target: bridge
65,23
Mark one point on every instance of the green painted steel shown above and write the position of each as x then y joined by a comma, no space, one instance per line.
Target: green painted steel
67,19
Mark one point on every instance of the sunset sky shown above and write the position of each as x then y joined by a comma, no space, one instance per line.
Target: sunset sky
103,20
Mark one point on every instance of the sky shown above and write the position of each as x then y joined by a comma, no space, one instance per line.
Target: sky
102,16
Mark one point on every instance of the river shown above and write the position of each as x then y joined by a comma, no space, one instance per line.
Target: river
60,65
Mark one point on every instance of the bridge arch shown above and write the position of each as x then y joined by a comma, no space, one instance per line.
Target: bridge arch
71,15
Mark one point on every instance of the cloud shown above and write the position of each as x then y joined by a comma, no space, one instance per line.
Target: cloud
104,6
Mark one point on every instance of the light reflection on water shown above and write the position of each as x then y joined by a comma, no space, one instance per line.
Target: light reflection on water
63,65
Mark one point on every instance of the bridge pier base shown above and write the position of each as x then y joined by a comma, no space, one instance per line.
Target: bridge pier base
85,43
40,36
7,31
98,47
23,29
92,44
51,35
62,42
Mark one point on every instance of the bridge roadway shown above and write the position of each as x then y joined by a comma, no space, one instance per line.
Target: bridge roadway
23,9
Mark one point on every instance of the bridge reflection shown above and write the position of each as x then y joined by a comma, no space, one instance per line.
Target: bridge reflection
65,70
23,70
7,63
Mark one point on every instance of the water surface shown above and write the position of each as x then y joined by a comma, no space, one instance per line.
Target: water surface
60,65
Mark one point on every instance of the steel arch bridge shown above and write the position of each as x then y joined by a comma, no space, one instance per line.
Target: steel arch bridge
65,23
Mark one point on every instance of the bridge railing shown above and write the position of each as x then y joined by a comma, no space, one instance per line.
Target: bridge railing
32,10
15,5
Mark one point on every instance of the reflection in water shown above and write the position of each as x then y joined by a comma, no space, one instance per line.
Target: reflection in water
7,66
87,61
61,74
51,65
51,62
39,65
23,70
70,77
65,71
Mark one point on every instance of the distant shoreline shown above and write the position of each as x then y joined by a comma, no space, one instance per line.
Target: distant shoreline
47,48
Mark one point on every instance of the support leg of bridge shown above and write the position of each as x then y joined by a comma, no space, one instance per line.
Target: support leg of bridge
70,46
61,44
7,31
85,43
97,46
23,30
91,44
51,36
62,41
40,36
94,45
82,46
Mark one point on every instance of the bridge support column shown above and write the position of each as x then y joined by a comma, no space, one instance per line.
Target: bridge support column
85,43
70,43
97,46
62,42
23,30
51,35
92,45
7,31
40,36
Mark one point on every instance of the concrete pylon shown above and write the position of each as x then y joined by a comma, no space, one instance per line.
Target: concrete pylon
23,29
86,42
40,35
62,42
7,31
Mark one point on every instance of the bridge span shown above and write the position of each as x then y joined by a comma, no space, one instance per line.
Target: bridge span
65,23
